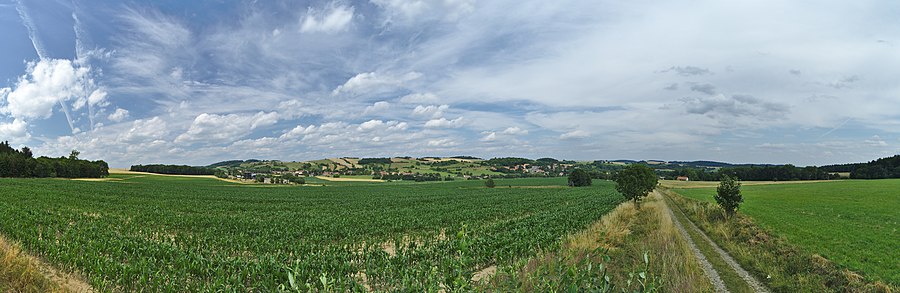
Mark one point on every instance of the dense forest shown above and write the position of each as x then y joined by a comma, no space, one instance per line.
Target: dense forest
174,169
22,163
366,161
878,169
755,173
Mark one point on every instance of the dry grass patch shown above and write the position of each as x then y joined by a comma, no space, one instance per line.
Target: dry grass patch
20,272
615,247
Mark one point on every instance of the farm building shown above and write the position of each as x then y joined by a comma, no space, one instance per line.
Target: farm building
683,178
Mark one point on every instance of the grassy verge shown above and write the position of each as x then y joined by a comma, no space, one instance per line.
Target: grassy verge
19,274
853,223
733,281
783,267
628,249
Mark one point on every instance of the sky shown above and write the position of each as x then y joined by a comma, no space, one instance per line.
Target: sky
196,82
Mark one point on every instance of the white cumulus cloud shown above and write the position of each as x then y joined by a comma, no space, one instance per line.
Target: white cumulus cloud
443,142
370,125
119,115
332,20
220,128
144,130
433,111
444,123
45,84
377,108
372,81
425,98
515,131
15,131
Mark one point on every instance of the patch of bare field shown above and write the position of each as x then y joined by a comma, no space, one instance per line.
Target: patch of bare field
341,162
97,179
123,171
348,179
392,246
485,273
128,172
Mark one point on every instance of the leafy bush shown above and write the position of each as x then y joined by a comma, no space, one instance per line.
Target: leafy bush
728,194
490,183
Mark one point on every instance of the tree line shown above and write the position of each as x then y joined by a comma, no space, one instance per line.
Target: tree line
878,169
366,161
755,173
174,169
23,164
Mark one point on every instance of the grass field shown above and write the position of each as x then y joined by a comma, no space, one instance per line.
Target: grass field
156,233
852,223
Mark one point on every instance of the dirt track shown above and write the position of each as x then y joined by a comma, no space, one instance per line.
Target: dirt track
707,267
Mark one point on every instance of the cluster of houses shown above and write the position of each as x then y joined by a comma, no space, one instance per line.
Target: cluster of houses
546,170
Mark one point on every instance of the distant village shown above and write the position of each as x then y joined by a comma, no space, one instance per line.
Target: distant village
392,169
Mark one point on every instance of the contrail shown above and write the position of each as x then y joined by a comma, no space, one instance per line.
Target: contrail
32,33
80,56
39,48
836,128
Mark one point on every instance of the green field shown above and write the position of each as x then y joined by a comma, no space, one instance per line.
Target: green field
853,223
154,233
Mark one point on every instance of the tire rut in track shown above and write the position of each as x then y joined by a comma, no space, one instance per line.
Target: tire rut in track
708,269
751,281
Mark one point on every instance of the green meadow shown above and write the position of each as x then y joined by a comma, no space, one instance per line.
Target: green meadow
853,223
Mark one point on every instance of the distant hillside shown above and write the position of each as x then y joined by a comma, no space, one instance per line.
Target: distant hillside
687,164
714,164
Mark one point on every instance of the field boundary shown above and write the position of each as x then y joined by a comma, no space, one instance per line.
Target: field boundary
746,276
129,172
33,270
708,269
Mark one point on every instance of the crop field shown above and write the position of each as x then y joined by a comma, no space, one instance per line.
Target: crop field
853,223
156,233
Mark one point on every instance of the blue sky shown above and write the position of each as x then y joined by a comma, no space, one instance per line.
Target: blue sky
194,82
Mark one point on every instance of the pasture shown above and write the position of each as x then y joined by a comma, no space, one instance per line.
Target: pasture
163,233
853,223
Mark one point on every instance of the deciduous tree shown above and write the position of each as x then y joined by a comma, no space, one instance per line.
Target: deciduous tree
635,182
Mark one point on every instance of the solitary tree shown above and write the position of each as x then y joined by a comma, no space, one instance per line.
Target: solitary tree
728,194
490,183
579,178
27,152
74,155
635,182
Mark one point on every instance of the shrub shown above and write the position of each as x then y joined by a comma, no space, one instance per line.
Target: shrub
728,194
490,183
